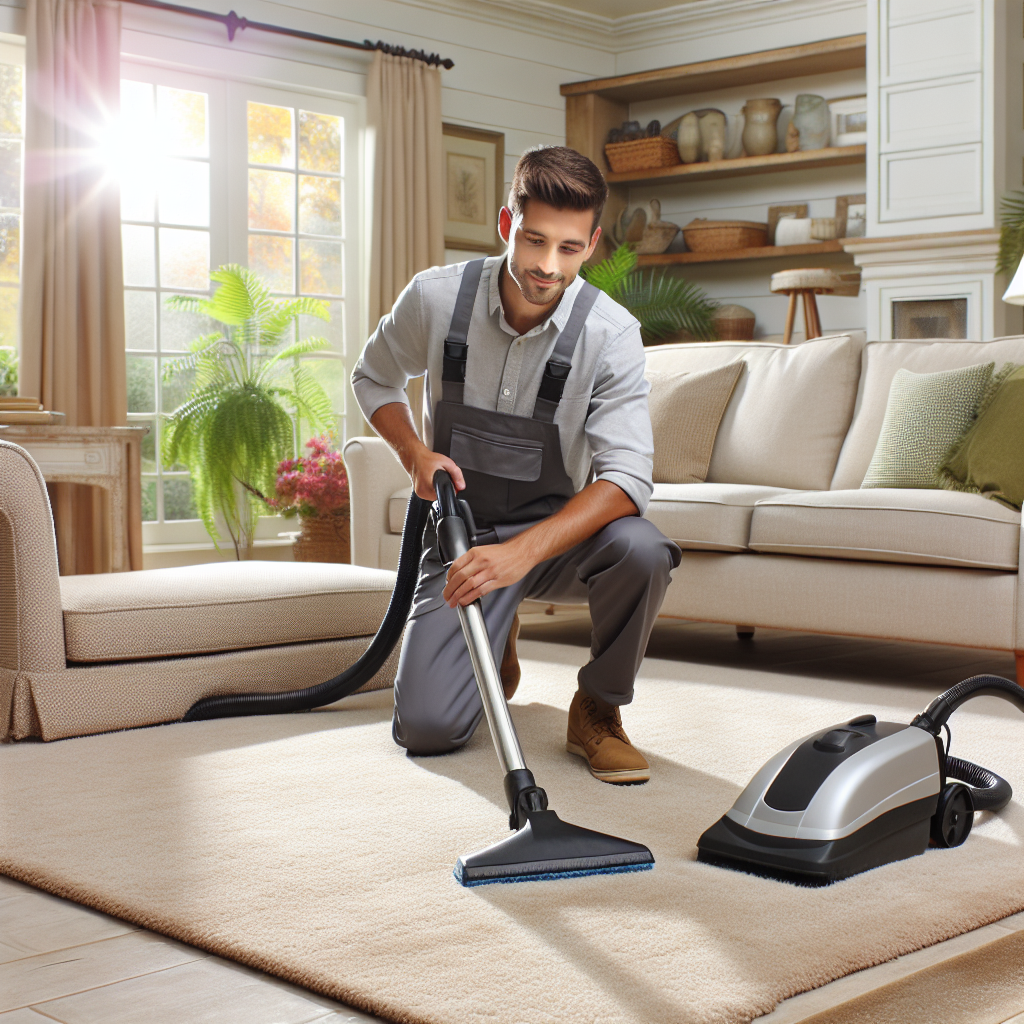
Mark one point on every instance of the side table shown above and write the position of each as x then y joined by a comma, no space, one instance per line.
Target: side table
107,457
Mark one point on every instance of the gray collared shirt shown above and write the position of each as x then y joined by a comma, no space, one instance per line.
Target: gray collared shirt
603,421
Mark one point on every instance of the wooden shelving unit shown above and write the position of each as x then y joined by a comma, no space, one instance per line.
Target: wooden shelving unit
759,253
833,156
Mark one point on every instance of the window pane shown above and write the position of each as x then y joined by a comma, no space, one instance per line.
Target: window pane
10,173
141,384
140,320
179,329
271,135
11,96
272,257
138,255
272,200
182,119
319,206
185,193
8,316
333,330
184,259
175,392
178,503
138,115
319,268
10,237
138,192
149,501
148,444
319,142
333,377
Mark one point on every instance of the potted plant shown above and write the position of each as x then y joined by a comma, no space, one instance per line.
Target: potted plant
665,306
237,423
315,488
8,372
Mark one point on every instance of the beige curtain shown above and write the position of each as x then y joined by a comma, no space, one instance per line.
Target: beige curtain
403,109
72,298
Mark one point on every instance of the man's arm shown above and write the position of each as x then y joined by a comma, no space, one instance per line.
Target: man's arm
394,423
491,566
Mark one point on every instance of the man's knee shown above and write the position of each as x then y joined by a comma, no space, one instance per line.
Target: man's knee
424,721
638,546
423,738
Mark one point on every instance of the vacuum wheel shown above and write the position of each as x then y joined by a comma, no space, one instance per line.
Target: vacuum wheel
954,816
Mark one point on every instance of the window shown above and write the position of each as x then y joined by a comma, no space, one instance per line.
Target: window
165,213
12,141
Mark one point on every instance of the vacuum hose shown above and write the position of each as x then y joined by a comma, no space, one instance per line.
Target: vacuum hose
990,791
364,669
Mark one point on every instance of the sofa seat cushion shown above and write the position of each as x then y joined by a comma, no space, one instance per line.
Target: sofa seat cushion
707,517
397,504
221,606
910,526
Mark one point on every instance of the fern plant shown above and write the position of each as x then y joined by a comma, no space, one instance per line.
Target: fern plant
8,372
1011,233
664,305
236,424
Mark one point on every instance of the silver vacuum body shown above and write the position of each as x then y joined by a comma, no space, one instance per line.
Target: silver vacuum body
833,804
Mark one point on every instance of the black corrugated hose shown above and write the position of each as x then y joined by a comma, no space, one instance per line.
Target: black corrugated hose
364,669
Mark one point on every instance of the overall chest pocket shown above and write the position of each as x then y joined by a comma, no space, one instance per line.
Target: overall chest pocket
495,454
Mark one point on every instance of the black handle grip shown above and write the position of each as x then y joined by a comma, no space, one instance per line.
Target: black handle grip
452,534
444,488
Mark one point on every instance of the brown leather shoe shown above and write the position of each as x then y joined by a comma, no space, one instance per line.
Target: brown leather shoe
602,742
509,671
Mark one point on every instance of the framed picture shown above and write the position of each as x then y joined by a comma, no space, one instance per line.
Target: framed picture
776,213
851,216
849,120
474,173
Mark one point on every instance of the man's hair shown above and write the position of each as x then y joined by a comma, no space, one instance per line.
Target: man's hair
560,177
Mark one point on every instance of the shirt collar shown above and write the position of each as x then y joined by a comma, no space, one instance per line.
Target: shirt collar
559,317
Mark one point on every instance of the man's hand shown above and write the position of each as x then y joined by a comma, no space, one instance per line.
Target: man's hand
394,423
485,568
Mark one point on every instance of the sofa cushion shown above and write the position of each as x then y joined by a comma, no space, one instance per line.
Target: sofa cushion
708,517
397,504
222,606
910,526
789,412
686,409
881,360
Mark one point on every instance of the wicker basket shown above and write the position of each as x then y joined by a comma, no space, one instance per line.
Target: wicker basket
642,154
716,235
734,323
324,539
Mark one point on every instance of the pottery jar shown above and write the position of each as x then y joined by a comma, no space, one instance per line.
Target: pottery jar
811,117
759,129
712,134
688,139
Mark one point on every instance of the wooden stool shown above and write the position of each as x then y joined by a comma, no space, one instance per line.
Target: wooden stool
807,283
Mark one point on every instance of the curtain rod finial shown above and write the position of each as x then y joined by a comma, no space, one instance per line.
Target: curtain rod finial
233,23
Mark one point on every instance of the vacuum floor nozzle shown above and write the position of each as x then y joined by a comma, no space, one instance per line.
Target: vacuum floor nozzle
547,848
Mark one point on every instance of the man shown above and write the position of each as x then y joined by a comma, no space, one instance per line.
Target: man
536,405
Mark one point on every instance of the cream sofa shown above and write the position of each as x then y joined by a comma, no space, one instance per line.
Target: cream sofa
781,535
86,654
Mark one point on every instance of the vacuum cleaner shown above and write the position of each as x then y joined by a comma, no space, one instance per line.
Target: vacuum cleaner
543,846
858,795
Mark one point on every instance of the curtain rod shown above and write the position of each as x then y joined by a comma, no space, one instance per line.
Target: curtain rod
232,22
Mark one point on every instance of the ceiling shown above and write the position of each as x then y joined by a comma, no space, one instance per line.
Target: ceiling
616,8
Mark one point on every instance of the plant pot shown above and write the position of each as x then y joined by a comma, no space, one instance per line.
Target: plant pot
324,539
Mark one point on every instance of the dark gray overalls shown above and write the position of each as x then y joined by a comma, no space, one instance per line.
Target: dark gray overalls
515,477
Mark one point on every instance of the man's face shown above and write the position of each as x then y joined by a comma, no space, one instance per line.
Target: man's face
546,248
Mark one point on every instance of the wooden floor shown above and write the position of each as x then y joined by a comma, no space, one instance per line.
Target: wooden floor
63,962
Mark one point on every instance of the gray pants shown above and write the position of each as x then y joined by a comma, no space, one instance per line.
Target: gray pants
623,571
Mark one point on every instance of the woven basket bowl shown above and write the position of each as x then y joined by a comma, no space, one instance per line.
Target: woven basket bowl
642,154
716,235
324,539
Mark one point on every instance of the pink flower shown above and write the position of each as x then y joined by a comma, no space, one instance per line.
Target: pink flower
313,485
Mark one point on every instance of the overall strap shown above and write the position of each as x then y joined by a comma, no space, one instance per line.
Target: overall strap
558,366
456,346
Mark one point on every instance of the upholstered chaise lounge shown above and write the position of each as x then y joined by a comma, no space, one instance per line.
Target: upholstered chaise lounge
87,654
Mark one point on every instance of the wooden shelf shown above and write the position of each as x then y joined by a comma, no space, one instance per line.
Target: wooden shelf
822,57
833,156
760,253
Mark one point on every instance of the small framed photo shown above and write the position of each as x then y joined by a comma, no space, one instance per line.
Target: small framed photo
474,172
851,216
849,120
776,213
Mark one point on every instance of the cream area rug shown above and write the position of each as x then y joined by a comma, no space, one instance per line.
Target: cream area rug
310,846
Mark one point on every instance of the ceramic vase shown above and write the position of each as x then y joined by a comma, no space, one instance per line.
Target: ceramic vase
759,129
688,139
811,117
712,134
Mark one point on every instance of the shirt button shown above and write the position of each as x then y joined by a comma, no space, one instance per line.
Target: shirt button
506,392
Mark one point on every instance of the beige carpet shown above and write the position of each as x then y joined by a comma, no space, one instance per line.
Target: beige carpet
311,847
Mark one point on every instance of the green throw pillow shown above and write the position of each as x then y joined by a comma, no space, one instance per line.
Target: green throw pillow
926,413
989,458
